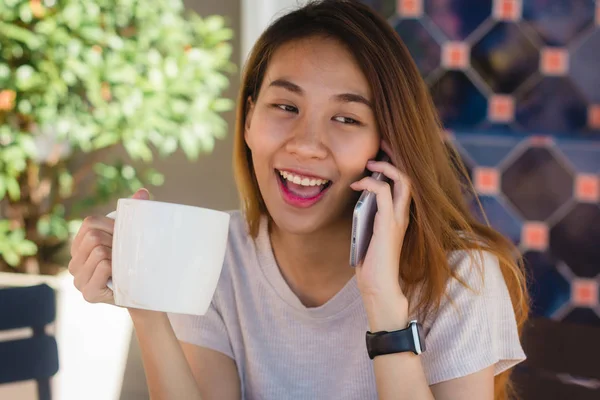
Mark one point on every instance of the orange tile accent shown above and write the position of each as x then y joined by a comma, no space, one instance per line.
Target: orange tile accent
541,140
410,8
501,108
584,292
534,236
594,116
508,10
486,180
587,188
554,61
455,55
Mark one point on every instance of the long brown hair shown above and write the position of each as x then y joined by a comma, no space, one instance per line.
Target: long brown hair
406,117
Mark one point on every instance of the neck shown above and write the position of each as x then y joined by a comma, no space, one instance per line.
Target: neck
314,265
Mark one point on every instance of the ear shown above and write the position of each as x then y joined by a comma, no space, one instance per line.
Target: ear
248,117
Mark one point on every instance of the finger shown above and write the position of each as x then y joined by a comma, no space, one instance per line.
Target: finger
141,194
84,273
91,223
401,192
383,194
92,239
96,291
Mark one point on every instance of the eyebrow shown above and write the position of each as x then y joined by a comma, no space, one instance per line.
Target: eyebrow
343,97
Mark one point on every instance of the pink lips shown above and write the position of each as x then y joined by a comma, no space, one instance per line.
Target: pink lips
297,201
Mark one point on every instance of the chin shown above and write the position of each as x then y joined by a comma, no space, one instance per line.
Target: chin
304,221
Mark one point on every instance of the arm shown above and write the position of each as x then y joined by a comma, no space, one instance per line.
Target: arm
177,370
401,375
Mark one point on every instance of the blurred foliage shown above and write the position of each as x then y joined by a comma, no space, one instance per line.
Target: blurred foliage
79,78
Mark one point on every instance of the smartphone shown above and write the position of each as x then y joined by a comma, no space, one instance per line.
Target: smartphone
363,218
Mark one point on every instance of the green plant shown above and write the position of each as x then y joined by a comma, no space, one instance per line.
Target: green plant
81,78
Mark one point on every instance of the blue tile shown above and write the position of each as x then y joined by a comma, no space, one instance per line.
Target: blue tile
558,22
460,104
458,18
584,155
505,57
487,150
576,240
584,67
423,48
500,218
552,106
549,290
537,183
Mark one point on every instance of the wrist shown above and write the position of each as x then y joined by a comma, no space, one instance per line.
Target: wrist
387,313
147,317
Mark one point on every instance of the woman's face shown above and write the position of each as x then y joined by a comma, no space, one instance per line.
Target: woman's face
311,132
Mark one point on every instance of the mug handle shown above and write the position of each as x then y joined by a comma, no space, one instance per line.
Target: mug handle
112,215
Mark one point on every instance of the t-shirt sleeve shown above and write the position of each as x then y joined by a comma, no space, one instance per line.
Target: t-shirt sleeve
474,327
208,330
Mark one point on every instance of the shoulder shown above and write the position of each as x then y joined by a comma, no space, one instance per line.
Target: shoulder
478,269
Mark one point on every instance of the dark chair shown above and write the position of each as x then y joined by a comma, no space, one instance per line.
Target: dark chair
563,362
36,357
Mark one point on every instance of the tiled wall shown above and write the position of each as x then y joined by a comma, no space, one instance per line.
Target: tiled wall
517,84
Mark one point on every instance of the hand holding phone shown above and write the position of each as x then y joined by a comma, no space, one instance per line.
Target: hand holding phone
363,219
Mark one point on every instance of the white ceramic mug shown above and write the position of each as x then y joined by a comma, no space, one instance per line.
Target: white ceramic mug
167,257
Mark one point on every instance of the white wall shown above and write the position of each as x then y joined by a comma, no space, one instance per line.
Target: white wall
256,16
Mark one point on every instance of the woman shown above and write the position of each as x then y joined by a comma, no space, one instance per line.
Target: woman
325,89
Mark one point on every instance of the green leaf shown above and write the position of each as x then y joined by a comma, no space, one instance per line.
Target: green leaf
11,258
12,186
2,187
19,34
27,248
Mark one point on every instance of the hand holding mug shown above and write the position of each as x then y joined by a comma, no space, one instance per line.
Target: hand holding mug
91,256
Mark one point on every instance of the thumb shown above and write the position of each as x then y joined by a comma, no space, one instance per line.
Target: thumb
141,194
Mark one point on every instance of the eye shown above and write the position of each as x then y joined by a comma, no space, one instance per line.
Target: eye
286,108
347,121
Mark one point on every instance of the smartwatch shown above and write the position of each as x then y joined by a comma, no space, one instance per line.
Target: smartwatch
408,339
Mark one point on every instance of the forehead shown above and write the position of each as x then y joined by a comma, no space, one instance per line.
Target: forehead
317,62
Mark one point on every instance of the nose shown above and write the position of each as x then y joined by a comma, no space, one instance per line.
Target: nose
306,142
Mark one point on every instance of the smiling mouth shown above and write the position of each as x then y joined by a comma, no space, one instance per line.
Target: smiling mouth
302,186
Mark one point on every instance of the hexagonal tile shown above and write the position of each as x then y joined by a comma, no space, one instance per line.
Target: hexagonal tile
537,183
559,21
458,18
460,104
576,238
549,290
505,57
584,316
585,61
500,218
422,46
552,106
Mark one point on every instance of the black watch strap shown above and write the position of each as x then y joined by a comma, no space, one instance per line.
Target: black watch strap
409,339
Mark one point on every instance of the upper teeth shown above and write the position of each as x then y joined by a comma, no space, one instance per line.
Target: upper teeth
302,180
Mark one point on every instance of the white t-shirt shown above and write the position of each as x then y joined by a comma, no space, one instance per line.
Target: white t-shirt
284,350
